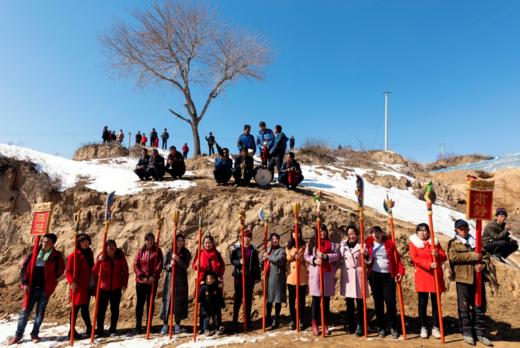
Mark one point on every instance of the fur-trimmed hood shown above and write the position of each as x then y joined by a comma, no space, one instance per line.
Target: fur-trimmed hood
419,243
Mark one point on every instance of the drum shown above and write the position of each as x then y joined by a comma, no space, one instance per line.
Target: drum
263,176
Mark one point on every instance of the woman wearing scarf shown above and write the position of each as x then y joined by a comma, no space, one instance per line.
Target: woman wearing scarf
274,265
351,282
81,284
421,252
181,261
327,259
210,260
303,278
114,281
385,271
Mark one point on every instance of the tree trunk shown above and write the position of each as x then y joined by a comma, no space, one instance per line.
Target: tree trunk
196,138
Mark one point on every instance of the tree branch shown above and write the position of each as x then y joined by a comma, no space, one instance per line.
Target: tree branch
180,116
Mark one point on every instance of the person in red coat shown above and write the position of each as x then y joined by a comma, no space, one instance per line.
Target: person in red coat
421,252
147,268
114,280
210,260
38,284
386,269
83,282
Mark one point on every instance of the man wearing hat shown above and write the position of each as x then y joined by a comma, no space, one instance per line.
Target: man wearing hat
264,135
252,269
464,263
496,239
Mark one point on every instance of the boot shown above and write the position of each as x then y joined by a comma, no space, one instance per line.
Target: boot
315,330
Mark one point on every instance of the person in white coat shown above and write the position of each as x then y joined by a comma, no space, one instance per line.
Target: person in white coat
352,279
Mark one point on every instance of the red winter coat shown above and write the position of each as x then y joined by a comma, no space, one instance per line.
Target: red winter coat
185,148
396,266
421,255
83,274
148,263
144,139
54,268
210,261
115,271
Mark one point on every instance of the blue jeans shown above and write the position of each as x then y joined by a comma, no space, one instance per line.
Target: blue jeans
37,297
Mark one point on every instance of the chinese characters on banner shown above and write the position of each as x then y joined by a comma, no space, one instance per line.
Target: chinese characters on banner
479,205
41,219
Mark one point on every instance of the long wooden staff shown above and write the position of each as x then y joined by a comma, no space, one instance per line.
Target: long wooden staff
296,211
429,196
264,216
197,280
243,250
159,222
175,218
73,309
317,198
360,192
388,205
108,217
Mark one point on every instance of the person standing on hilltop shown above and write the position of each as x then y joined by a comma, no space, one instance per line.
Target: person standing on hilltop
138,138
185,150
113,136
106,136
144,139
252,275
120,136
247,140
148,265
211,142
464,263
165,136
496,237
264,135
278,151
421,252
291,143
82,285
154,138
38,285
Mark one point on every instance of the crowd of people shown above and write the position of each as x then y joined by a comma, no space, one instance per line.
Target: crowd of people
277,264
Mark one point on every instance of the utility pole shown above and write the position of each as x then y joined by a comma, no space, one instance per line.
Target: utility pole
442,150
386,119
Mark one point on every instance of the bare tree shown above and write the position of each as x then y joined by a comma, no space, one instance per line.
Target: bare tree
183,44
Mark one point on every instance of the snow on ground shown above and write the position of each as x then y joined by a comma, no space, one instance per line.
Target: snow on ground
492,165
115,174
407,207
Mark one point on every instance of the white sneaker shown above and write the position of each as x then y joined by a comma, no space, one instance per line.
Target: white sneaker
435,332
424,332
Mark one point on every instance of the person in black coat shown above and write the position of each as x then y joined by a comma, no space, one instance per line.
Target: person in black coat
211,303
156,166
223,166
153,137
244,169
138,138
106,135
142,165
252,269
291,173
175,163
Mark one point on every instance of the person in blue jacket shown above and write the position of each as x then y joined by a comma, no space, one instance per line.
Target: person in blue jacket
278,150
265,134
247,140
223,166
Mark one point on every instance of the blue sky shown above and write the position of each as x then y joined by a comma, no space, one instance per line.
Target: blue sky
453,68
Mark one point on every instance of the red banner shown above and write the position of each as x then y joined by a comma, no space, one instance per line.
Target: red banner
480,205
40,223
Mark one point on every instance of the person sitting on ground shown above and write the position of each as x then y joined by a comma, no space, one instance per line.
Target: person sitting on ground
464,263
156,166
496,237
291,173
142,165
247,140
38,285
175,163
244,170
223,166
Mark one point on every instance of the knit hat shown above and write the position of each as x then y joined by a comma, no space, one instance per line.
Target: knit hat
501,211
82,237
261,124
460,223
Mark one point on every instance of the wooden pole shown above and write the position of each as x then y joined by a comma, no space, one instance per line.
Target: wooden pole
318,247
429,196
243,250
159,222
360,196
74,271
197,281
389,204
296,211
264,218
175,217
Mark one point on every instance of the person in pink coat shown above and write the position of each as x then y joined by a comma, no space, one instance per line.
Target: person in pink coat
327,259
351,280
421,252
